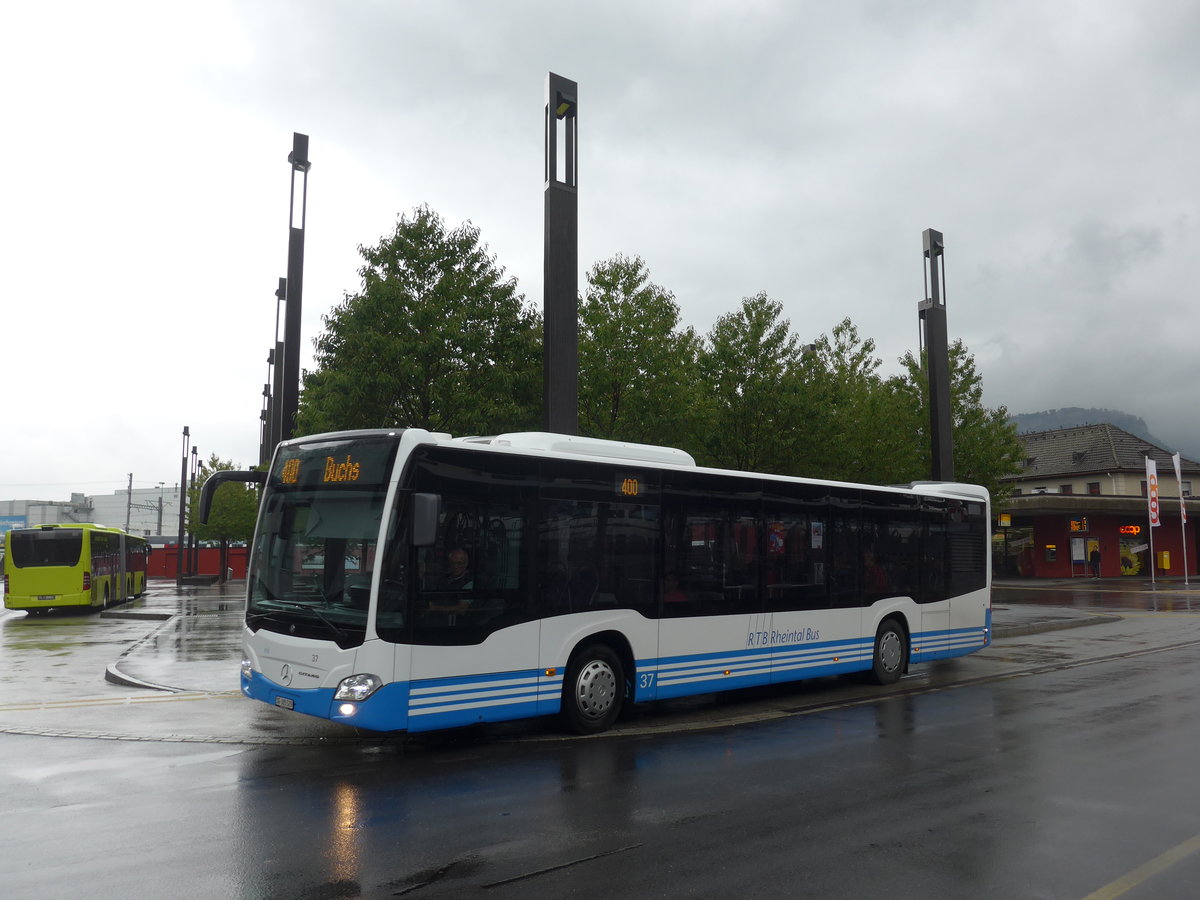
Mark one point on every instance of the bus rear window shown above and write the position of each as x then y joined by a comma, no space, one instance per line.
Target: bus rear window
51,547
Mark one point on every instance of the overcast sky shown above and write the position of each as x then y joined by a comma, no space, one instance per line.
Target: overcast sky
797,148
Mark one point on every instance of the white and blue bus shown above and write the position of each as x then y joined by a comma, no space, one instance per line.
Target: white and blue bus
403,580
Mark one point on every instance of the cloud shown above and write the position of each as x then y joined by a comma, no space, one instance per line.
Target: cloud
799,149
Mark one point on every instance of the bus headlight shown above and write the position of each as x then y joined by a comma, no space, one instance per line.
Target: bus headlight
358,687
247,667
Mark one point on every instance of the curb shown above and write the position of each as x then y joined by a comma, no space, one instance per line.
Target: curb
1009,631
114,675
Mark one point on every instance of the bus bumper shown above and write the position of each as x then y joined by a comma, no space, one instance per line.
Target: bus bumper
385,710
47,601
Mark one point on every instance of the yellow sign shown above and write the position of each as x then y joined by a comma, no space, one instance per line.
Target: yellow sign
338,472
1005,520
290,473
630,487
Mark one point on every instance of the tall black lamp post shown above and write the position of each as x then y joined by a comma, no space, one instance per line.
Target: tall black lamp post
191,524
560,351
179,541
275,361
289,397
932,312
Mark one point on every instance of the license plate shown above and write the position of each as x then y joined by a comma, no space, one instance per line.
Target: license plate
46,598
285,702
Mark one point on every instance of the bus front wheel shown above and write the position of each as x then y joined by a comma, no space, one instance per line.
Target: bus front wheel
891,652
593,689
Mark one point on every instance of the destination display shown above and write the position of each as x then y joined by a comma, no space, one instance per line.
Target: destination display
362,464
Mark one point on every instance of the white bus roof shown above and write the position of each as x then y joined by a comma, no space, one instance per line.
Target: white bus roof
585,446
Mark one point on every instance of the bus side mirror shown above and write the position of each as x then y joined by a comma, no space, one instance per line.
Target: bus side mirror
216,479
425,508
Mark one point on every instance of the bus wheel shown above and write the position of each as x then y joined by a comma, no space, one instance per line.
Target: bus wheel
891,652
593,689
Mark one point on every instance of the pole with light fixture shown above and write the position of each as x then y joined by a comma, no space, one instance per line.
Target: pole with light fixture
560,352
179,543
289,395
932,312
191,568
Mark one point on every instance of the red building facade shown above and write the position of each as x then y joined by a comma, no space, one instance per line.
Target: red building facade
1084,490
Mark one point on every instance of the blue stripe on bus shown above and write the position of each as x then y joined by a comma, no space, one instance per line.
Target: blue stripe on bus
931,645
493,697
679,676
467,699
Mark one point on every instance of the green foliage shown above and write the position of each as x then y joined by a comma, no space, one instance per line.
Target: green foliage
851,431
986,447
751,364
234,506
436,338
638,371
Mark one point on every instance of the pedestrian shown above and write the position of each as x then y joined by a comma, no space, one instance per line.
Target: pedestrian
1094,559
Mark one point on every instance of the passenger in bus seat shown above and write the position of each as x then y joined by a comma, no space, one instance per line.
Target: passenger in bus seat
672,593
555,588
875,578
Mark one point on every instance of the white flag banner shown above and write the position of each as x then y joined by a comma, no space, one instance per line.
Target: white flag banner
1179,481
1152,491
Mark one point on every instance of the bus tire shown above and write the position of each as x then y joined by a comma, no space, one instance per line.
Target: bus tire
593,689
891,652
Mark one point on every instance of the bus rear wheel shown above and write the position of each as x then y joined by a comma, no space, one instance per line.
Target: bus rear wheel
891,652
593,689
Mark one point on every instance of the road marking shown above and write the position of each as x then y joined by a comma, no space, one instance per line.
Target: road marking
1145,872
114,701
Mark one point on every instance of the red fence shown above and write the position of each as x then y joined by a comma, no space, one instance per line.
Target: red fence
163,561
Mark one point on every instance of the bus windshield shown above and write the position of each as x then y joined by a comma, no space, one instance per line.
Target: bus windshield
315,546
46,547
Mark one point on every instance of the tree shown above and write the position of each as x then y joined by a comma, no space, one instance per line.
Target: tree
437,337
986,447
233,513
852,431
751,363
638,371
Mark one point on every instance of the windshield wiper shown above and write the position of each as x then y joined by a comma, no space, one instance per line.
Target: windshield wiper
337,632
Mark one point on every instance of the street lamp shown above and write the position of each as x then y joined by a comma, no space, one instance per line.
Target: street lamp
179,538
192,524
160,506
288,397
932,313
560,259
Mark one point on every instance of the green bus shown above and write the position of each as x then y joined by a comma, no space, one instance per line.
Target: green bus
56,566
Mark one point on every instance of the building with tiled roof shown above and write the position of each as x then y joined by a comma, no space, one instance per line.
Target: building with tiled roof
1085,489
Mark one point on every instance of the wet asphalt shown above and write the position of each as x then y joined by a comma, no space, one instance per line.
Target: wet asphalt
179,679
